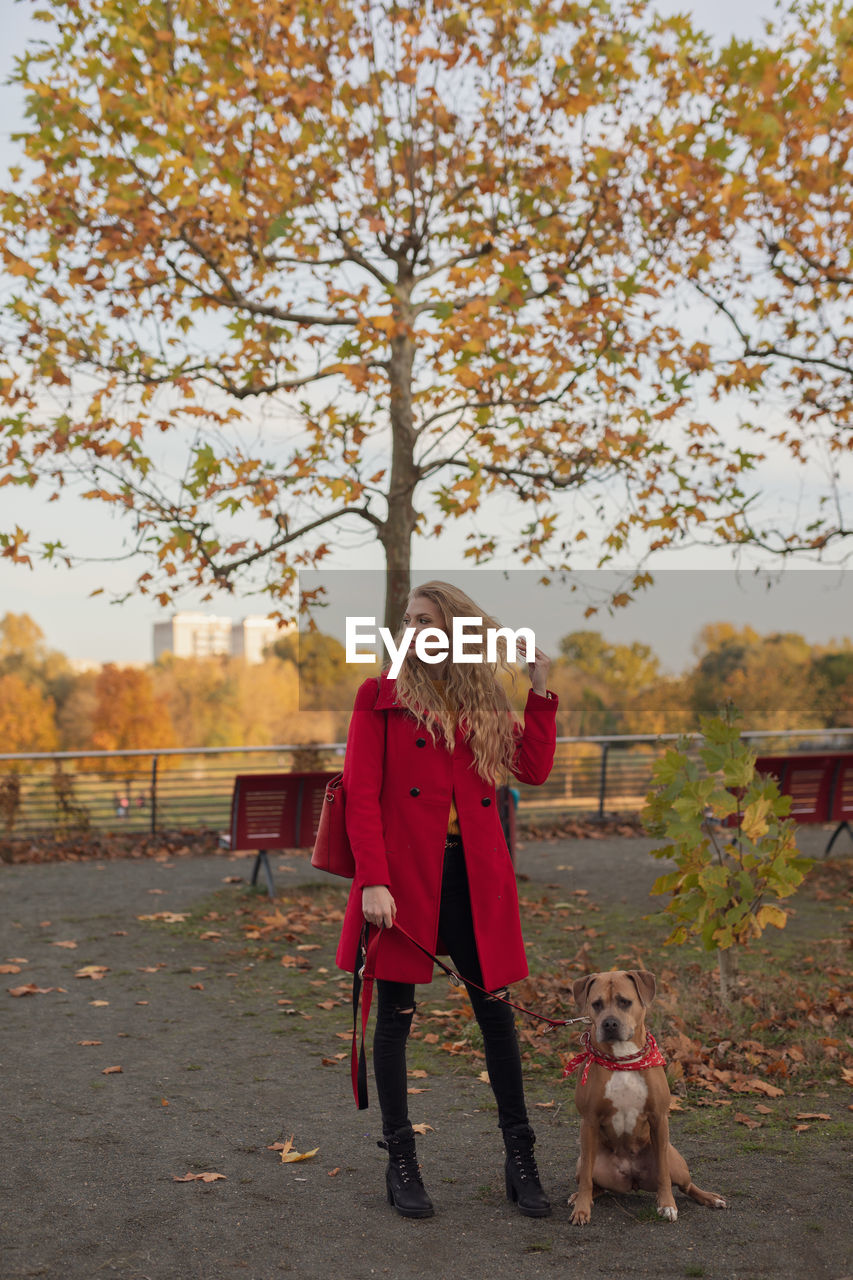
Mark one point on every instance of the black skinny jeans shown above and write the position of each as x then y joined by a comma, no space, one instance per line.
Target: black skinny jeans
396,1006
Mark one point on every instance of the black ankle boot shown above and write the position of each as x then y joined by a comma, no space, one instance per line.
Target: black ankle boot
522,1176
403,1176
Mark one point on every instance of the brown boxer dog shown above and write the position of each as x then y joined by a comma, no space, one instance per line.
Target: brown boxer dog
623,1099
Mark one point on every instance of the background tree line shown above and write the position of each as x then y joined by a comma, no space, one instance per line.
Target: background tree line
303,691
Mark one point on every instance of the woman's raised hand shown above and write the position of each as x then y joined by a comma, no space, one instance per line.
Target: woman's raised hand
378,905
538,672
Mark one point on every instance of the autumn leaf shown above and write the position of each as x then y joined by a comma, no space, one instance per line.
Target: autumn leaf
111,1071
31,990
71,946
199,1177
10,968
289,1156
740,1118
167,917
333,1173
762,1086
89,1042
423,1128
812,1115
93,971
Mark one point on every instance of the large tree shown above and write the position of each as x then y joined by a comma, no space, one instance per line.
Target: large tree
771,147
287,271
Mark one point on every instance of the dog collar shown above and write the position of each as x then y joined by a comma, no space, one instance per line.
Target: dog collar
649,1056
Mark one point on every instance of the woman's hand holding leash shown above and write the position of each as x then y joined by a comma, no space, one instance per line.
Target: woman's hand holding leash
378,906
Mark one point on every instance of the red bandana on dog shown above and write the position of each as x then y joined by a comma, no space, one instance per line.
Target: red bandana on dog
649,1056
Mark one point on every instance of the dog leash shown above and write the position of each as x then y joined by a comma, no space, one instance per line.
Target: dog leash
364,976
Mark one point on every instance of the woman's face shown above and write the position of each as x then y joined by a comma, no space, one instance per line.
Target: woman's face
422,613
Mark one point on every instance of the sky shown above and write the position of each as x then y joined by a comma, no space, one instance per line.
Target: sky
693,587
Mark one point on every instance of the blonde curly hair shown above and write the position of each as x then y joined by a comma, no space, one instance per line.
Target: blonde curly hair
470,694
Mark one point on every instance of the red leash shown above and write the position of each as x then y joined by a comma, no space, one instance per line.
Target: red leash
364,973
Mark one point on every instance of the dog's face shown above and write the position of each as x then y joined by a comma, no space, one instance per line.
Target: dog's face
616,1003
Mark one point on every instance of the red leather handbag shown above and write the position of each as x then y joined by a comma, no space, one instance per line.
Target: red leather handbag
332,851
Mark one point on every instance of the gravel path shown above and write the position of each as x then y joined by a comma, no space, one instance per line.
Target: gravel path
87,1159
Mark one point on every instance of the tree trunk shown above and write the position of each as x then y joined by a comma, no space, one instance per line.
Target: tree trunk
396,533
727,965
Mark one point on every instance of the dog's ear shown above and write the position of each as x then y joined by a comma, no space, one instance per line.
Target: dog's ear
580,989
645,984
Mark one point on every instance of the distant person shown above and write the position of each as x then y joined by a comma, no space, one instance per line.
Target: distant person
424,754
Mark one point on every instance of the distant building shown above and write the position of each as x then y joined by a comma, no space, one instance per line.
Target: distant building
203,635
250,636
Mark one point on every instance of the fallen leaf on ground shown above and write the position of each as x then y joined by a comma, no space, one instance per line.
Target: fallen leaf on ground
17,960
544,1105
414,1089
813,1115
765,1111
740,1118
111,1071
99,1004
423,1128
333,1173
289,1156
72,946
93,971
196,986
801,1128
10,968
761,1086
168,917
88,1042
32,990
418,1074
198,1177
484,1076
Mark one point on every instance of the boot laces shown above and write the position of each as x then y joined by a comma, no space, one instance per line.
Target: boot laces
525,1163
408,1168
404,1162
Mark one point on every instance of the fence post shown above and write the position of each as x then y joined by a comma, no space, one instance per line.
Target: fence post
153,794
602,780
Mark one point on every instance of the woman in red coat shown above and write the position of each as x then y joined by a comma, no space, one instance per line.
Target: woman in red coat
424,754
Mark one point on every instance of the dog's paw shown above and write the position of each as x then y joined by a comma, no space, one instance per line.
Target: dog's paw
668,1211
718,1203
581,1213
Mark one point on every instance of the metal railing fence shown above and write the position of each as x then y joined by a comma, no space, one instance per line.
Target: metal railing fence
71,793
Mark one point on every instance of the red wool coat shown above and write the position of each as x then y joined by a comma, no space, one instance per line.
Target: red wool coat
397,804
